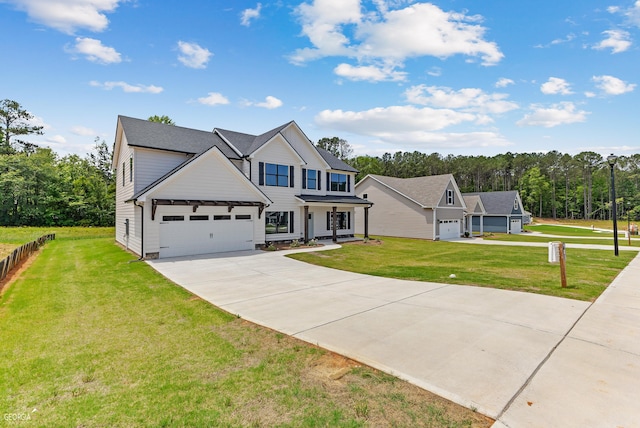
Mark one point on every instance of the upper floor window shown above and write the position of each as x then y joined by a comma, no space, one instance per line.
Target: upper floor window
450,199
515,205
310,179
339,182
273,174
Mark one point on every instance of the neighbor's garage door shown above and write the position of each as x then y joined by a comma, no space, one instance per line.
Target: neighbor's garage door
191,234
516,225
449,229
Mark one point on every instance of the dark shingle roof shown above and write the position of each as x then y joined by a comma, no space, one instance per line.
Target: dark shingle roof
246,143
334,162
497,202
153,135
426,191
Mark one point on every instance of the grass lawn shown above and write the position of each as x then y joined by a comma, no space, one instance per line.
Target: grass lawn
91,338
569,239
514,268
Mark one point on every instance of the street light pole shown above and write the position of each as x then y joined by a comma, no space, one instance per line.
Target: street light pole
611,159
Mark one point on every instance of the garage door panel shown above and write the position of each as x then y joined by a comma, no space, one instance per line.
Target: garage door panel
190,237
449,229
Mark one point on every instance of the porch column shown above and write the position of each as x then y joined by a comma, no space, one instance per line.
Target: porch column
481,225
334,223
366,222
306,223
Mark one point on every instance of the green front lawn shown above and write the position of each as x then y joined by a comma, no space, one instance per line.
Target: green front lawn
92,338
514,268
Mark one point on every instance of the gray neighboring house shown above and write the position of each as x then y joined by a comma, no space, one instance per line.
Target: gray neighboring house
500,212
429,207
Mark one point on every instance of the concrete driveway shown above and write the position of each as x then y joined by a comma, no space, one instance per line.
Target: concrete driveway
478,347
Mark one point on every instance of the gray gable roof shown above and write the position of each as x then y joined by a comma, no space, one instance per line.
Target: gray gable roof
246,143
153,135
497,202
334,162
427,191
472,202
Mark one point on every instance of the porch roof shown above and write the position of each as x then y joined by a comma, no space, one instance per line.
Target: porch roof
333,200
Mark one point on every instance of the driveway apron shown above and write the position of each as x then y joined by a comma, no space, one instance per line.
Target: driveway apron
475,346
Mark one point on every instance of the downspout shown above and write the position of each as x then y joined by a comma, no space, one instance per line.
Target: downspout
135,202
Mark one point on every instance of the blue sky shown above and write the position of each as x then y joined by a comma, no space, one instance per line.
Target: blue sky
455,77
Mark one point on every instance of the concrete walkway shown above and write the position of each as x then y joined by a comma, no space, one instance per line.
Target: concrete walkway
475,346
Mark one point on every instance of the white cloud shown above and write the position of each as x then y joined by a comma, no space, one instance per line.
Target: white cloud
617,40
83,131
213,98
589,94
68,16
270,103
384,120
409,127
56,139
344,28
558,114
632,13
250,14
435,72
556,85
370,73
467,99
126,87
503,82
193,55
612,85
95,51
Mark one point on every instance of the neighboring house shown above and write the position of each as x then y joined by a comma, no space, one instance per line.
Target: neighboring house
182,191
475,208
503,212
422,207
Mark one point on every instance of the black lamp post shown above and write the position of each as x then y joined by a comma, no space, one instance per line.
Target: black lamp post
611,159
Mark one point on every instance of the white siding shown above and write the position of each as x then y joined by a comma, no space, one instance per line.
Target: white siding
279,152
126,210
150,165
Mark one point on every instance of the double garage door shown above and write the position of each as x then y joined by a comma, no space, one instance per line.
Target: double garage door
449,229
185,234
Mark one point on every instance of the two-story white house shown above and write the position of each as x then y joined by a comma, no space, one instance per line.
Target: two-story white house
183,191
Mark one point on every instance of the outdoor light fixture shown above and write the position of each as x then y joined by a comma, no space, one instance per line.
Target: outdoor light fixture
611,159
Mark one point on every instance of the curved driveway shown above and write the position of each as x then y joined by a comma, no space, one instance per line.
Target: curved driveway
479,347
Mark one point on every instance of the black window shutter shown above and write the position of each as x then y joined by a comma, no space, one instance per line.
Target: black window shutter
328,220
319,187
328,177
291,182
348,183
304,178
291,221
261,173
348,219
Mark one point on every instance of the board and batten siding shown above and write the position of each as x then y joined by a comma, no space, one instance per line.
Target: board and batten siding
150,165
278,151
393,214
126,210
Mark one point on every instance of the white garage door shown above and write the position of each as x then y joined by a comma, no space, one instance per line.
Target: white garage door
449,229
516,225
191,234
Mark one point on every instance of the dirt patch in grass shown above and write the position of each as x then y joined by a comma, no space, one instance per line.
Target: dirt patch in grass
371,396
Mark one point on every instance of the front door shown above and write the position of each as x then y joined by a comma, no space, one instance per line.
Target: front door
310,226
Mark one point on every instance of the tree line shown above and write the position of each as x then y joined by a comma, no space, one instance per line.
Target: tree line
40,188
552,184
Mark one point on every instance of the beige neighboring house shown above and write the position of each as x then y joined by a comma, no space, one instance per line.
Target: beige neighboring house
429,207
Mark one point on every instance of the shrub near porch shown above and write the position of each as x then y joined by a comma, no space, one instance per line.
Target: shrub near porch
512,268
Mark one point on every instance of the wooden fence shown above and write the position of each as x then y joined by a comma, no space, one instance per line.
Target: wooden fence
22,252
